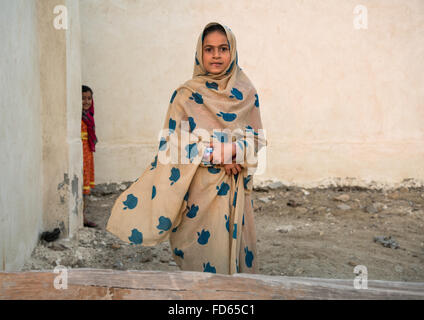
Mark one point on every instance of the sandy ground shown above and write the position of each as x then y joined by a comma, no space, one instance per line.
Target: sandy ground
301,232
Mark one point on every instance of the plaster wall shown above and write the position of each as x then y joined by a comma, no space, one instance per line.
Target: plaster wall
61,115
21,209
40,123
339,104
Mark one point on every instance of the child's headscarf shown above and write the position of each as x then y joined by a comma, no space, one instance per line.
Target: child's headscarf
224,101
88,118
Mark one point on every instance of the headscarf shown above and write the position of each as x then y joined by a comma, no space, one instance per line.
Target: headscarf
88,118
226,101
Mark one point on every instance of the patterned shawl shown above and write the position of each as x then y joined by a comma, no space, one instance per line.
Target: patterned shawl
199,109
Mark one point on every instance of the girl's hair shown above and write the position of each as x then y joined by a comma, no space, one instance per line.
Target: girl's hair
86,89
213,28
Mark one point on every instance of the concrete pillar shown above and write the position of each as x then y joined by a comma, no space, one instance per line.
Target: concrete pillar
40,123
60,82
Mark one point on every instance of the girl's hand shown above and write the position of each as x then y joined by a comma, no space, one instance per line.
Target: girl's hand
221,157
232,168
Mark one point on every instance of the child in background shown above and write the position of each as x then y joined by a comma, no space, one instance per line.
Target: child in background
89,140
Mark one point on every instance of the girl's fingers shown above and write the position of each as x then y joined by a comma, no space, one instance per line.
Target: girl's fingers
232,169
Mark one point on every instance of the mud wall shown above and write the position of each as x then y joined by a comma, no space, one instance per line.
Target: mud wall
338,103
60,87
40,126
20,133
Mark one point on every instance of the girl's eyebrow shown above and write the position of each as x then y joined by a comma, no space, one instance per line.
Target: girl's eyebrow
221,45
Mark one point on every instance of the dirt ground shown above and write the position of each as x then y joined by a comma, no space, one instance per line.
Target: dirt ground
301,232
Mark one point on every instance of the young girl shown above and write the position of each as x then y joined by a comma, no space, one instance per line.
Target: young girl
203,207
89,140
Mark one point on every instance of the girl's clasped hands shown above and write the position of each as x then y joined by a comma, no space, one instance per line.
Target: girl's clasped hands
225,157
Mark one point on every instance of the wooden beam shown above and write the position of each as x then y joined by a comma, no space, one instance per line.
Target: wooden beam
113,284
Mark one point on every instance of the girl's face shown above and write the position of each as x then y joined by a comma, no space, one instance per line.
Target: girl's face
216,52
86,100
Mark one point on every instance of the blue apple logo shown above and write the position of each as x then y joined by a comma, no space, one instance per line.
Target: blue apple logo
227,223
203,237
212,85
235,231
164,224
191,123
172,125
179,253
131,202
192,211
227,116
246,180
208,268
173,96
236,94
214,170
154,163
175,175
192,151
136,237
256,100
153,192
197,97
249,257
223,189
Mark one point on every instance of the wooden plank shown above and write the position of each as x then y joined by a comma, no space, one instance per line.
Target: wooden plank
113,284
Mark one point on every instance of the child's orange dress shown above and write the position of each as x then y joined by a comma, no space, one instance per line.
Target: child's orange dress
88,161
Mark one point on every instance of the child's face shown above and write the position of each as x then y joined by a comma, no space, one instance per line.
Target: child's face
86,100
216,52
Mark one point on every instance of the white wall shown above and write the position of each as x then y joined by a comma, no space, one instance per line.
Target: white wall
339,104
40,126
20,133
73,117
60,84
